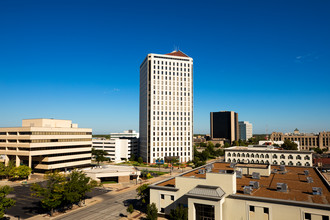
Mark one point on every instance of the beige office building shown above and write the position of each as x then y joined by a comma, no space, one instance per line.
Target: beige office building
307,141
219,191
46,144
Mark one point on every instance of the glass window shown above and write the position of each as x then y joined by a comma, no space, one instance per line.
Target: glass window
204,212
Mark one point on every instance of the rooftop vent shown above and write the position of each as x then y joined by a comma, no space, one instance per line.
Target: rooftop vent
256,175
309,179
232,165
274,171
201,171
317,190
254,184
208,168
306,172
282,187
282,167
222,171
247,190
238,174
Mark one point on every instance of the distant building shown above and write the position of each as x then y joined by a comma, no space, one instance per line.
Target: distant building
224,124
47,144
166,107
262,154
224,191
121,146
245,130
307,140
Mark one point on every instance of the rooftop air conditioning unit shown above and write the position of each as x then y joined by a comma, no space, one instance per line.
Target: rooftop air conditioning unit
201,171
282,167
232,165
256,175
282,187
317,190
222,171
208,168
238,174
306,172
309,179
254,184
247,190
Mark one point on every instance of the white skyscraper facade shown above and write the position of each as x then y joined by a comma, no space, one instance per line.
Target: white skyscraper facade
245,130
166,107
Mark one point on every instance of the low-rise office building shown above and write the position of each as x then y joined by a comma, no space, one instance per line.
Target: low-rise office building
121,146
47,144
262,154
246,191
307,140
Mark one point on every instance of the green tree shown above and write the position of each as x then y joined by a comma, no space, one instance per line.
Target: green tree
2,170
23,171
53,193
130,208
132,158
140,160
217,145
152,212
318,150
5,203
202,144
76,187
179,213
226,145
99,155
289,145
143,193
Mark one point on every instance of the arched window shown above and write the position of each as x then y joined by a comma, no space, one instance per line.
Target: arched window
234,160
262,161
229,160
248,161
262,156
267,162
267,156
243,154
274,156
290,163
247,155
238,161
234,155
275,162
307,164
298,157
282,156
257,155
229,154
290,157
307,157
252,155
257,161
238,154
252,161
298,164
282,162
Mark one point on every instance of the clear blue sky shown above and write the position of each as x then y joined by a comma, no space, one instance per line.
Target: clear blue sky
267,60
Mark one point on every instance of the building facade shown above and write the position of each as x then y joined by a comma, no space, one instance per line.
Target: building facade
307,141
245,130
47,144
120,147
166,107
268,155
219,191
224,124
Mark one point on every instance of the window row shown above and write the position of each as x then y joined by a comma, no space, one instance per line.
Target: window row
282,156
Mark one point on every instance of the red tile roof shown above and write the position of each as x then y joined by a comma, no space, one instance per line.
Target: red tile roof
177,53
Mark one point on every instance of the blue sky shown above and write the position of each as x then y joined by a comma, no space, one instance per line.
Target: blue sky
267,60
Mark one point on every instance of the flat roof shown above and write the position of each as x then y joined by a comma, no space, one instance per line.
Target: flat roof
298,187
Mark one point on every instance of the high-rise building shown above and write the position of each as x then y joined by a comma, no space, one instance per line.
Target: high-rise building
245,130
166,107
224,124
47,144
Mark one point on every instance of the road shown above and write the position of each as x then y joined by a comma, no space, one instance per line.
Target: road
112,207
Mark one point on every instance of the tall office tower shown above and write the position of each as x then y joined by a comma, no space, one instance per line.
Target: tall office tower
166,107
224,124
245,130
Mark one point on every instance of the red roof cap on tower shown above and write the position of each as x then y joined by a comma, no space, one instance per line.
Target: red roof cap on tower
177,53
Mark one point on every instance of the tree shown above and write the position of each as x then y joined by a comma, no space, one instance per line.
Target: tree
130,208
152,212
143,193
140,160
53,193
77,186
202,144
5,203
99,155
132,158
226,145
23,171
179,213
318,150
289,145
217,145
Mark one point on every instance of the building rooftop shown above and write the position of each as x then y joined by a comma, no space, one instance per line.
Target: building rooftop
299,189
177,53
